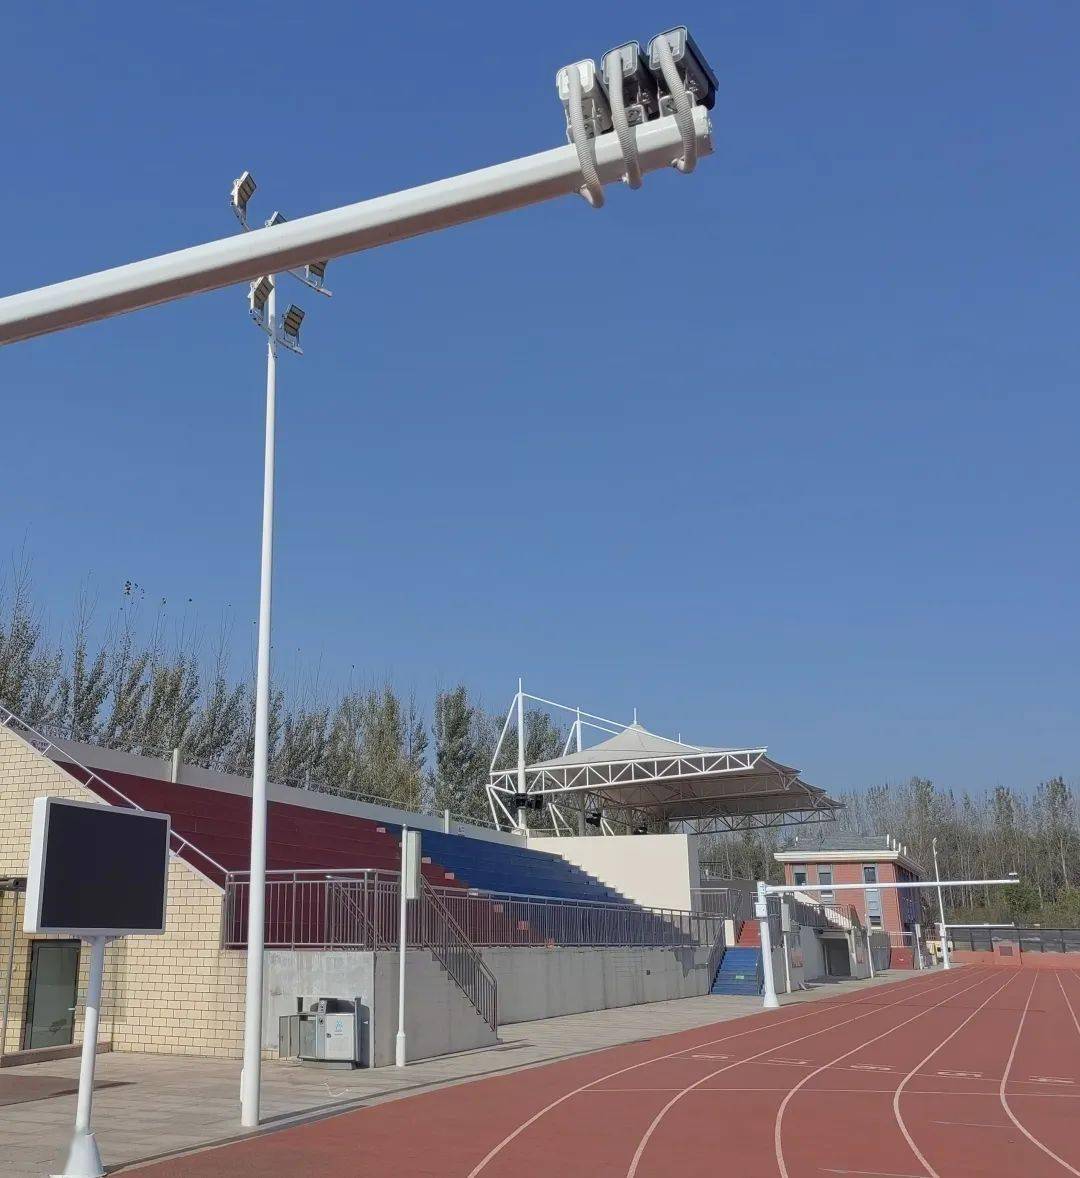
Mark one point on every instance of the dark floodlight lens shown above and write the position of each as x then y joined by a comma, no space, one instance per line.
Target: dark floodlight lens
291,321
258,295
243,188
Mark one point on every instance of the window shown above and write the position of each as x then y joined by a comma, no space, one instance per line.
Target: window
872,896
824,877
798,876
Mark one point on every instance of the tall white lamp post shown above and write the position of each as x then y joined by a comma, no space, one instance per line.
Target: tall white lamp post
262,304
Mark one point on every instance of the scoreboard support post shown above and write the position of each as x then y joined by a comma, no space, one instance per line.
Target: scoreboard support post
84,1160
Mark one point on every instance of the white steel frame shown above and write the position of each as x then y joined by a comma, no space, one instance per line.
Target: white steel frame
348,230
573,786
765,890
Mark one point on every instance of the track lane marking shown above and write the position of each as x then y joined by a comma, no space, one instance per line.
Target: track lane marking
898,1115
778,1125
643,1143
1004,1100
828,1006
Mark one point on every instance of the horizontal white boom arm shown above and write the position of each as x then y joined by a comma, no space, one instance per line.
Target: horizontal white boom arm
775,890
323,236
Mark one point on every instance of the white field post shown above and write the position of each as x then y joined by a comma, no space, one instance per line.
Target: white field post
918,946
771,1002
251,1076
869,951
520,753
83,1159
369,223
945,959
409,885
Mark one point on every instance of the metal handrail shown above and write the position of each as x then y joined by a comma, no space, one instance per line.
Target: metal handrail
43,743
300,913
441,934
732,903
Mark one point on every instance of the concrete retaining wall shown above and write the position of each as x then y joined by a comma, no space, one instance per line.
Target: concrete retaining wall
439,1019
541,983
534,983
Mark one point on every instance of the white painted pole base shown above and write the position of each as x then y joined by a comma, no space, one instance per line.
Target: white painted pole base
400,1059
83,1160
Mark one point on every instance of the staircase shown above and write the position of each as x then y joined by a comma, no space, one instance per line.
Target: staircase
740,969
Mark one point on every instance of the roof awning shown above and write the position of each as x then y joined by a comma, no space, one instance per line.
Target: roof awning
708,789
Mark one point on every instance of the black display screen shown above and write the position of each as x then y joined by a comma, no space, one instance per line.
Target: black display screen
104,869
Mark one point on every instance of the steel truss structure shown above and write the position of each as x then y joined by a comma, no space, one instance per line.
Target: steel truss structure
635,777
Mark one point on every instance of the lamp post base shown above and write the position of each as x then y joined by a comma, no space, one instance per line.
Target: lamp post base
83,1160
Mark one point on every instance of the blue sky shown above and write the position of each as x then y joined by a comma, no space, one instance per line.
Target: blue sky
805,475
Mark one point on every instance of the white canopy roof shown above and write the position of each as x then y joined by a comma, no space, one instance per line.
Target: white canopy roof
708,788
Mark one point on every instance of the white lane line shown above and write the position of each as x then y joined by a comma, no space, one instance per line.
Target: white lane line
778,1127
1076,1024
869,1173
1004,1100
1044,1080
871,1067
761,1026
970,1124
922,1063
700,1055
961,1075
647,1136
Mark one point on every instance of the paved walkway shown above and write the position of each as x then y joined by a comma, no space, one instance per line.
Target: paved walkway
148,1106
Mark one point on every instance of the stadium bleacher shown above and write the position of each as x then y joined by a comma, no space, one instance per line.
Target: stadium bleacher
299,837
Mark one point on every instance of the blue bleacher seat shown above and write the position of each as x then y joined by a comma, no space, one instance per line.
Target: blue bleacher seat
502,867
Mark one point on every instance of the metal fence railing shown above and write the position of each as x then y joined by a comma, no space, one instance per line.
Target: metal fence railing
728,903
985,938
359,910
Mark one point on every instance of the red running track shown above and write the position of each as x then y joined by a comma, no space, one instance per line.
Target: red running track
945,1075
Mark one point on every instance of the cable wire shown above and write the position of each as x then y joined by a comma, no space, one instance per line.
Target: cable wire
592,190
684,107
627,142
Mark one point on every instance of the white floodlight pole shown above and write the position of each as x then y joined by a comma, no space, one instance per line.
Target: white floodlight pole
251,1075
771,1002
370,223
520,754
400,1048
869,949
946,961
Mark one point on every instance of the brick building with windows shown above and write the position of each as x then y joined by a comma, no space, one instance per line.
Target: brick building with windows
862,859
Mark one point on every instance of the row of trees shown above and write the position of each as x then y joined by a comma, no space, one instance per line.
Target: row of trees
1036,834
139,691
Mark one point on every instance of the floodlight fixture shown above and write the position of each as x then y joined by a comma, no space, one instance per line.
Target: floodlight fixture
275,218
696,74
316,274
243,188
593,817
595,107
290,327
258,296
627,67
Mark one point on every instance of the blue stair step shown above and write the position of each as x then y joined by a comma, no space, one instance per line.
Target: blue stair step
739,972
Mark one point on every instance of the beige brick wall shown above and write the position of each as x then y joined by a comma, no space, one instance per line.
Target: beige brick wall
178,993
